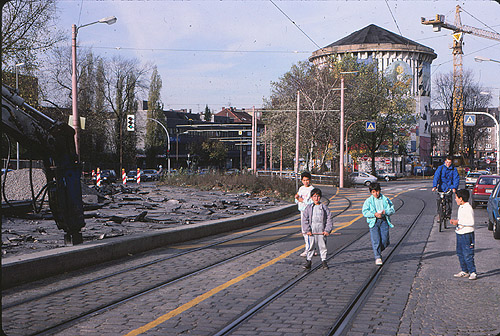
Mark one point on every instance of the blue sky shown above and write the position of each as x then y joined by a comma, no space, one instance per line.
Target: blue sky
225,53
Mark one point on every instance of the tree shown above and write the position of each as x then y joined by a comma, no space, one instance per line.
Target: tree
317,115
122,79
372,97
28,27
471,100
208,114
156,141
211,153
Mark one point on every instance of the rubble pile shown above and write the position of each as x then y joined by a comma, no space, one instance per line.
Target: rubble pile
117,210
17,184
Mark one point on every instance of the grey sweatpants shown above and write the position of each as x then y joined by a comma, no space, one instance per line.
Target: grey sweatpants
316,240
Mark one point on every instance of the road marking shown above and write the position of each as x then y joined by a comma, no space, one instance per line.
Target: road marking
209,294
251,240
284,227
220,288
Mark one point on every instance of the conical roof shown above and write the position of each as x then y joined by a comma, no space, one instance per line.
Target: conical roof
373,34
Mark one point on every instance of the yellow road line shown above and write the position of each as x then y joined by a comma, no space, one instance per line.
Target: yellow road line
209,294
284,227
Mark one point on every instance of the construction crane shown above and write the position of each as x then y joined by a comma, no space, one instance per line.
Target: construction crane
458,31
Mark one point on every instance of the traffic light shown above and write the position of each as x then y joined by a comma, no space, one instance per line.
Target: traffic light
130,122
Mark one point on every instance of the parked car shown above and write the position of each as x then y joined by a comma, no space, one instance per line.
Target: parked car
492,208
419,171
149,175
471,178
362,178
132,176
385,175
483,189
107,176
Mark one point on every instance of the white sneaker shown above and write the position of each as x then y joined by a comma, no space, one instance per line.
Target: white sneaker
462,274
473,276
303,254
378,261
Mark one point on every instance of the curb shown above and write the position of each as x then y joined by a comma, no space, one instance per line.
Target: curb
18,270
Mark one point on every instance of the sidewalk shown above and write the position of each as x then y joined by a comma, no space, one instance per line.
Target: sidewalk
440,304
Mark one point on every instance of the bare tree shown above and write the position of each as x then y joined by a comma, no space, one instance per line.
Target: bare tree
471,101
28,27
122,79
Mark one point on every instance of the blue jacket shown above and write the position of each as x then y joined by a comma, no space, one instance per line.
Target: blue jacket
369,210
446,178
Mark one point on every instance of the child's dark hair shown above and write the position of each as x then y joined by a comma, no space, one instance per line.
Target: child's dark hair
305,174
374,186
316,191
463,194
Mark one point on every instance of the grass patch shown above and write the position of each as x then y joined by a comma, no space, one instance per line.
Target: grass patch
258,186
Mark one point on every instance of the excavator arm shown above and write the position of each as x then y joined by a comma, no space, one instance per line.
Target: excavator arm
52,142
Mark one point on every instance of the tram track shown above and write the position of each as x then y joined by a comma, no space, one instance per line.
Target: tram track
349,312
68,321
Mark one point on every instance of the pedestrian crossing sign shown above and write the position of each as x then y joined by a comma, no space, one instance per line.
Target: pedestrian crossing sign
371,126
469,120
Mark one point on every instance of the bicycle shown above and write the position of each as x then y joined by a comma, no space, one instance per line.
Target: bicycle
443,199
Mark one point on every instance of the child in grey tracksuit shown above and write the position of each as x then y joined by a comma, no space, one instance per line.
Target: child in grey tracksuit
317,223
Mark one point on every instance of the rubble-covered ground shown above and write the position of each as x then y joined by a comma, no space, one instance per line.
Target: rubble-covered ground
117,211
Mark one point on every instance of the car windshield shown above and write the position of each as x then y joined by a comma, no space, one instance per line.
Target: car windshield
488,181
149,171
474,175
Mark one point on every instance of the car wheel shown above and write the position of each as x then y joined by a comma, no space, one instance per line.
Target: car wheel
367,183
387,178
490,225
496,230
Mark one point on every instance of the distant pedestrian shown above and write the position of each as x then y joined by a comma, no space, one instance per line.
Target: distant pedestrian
465,235
317,223
377,209
302,199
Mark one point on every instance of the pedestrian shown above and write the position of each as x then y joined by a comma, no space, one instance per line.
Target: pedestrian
377,209
465,235
446,178
317,223
302,199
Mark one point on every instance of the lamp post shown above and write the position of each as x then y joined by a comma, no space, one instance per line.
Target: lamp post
74,92
17,89
484,59
168,141
341,158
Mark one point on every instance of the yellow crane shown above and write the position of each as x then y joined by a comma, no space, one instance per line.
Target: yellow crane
458,31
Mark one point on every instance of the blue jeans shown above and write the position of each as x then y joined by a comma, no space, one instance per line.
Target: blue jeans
465,252
380,236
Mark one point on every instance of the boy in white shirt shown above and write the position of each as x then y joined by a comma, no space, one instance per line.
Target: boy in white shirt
303,198
465,235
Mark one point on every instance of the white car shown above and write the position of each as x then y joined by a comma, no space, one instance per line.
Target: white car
362,178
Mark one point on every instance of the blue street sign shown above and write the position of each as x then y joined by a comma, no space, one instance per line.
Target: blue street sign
371,126
469,120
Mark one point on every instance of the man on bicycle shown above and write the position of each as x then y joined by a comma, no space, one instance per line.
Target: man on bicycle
446,178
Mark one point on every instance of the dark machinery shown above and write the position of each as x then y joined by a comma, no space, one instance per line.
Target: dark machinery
53,142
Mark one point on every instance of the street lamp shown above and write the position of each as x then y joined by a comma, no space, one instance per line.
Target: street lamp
17,90
484,59
168,140
76,117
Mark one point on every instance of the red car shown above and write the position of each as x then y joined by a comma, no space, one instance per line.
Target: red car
483,188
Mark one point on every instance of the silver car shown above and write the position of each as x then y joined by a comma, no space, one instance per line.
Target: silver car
362,178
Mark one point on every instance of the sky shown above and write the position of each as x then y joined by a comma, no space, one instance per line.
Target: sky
227,53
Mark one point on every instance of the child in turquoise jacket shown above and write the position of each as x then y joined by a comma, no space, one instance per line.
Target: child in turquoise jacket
377,209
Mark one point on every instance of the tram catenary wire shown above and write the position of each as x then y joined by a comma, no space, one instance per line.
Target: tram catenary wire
83,316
